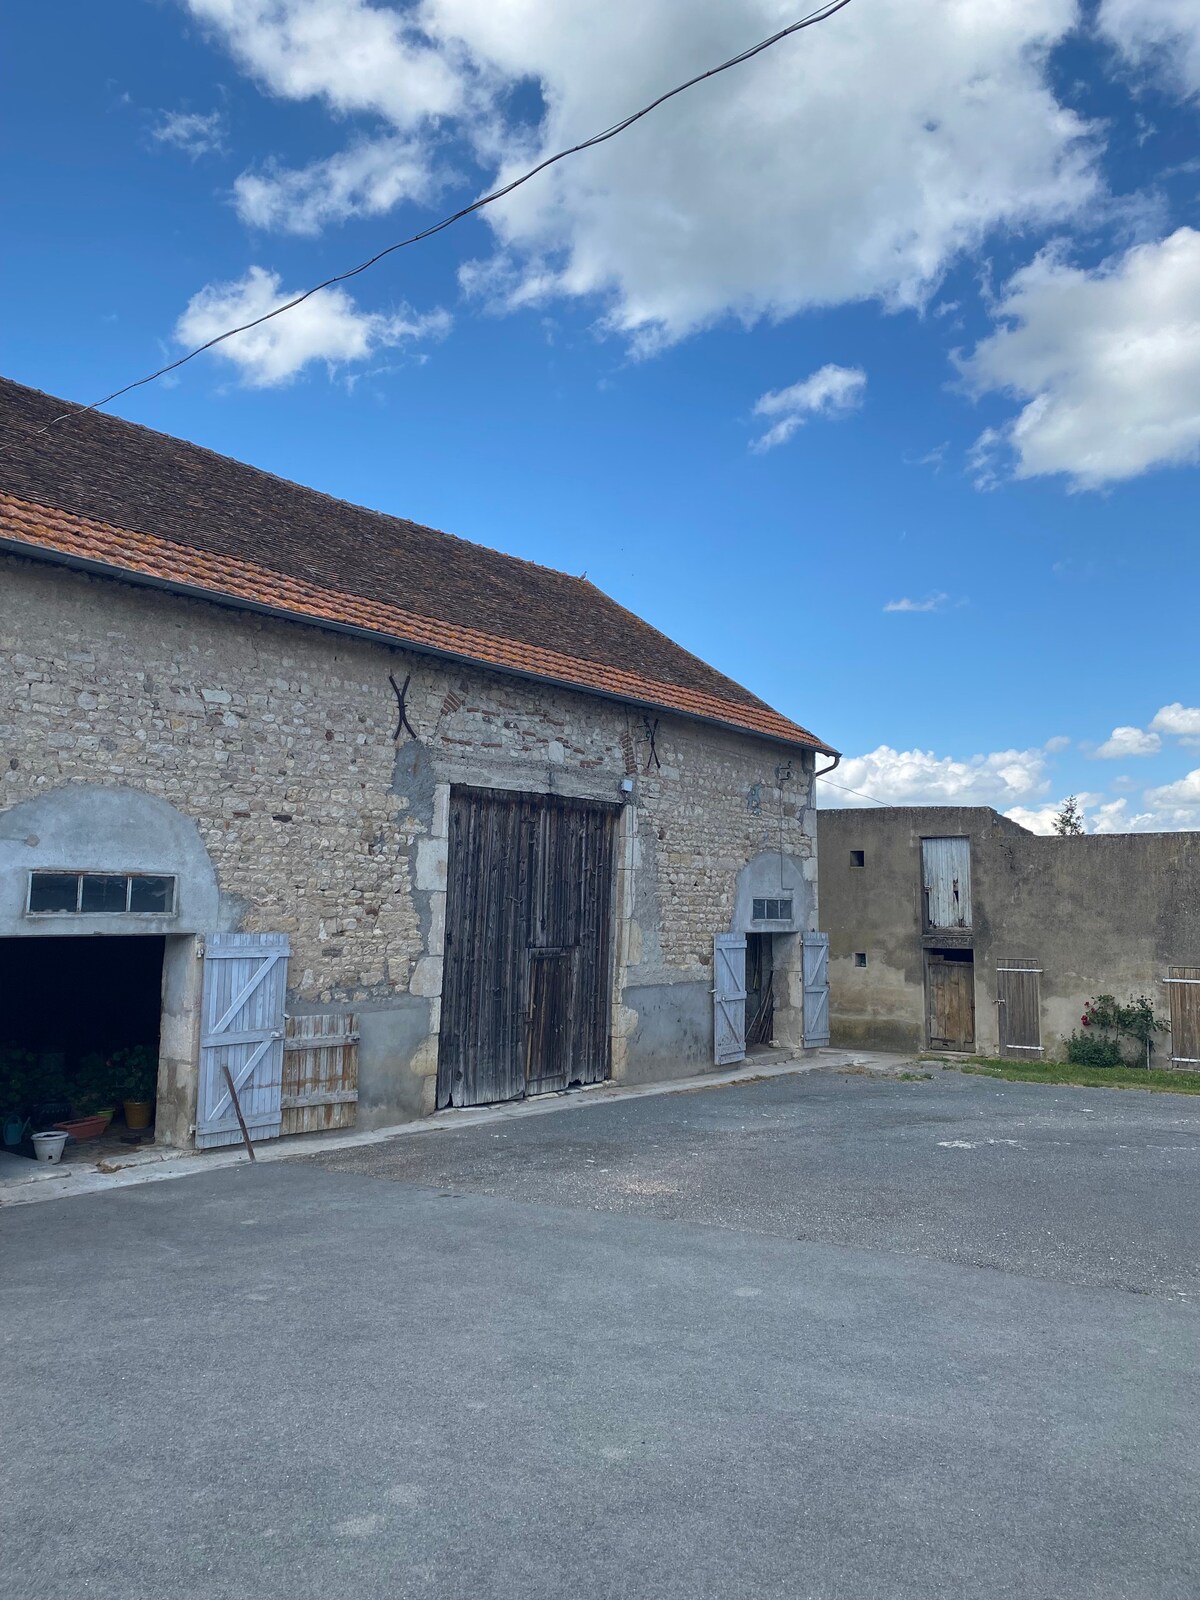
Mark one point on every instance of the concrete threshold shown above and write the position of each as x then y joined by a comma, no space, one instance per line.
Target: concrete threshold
44,1181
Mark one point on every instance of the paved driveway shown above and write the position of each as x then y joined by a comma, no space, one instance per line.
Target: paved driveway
820,1336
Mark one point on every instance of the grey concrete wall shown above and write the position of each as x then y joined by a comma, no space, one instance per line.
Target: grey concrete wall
1099,913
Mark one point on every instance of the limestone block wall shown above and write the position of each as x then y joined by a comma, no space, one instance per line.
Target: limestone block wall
277,741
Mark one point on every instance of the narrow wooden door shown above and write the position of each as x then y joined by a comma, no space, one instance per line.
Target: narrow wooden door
526,991
1019,1008
1183,986
729,998
950,998
816,989
242,1028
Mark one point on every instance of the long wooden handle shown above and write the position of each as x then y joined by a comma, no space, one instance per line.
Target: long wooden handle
237,1106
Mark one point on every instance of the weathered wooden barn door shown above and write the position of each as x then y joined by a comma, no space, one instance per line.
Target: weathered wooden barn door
1019,1004
950,998
816,990
946,880
527,981
729,998
1183,986
320,1073
241,1027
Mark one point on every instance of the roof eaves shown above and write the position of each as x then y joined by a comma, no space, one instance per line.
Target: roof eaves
737,721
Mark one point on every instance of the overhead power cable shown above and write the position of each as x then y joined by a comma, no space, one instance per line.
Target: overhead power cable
858,792
476,205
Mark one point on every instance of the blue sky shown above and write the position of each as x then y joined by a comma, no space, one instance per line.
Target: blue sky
870,372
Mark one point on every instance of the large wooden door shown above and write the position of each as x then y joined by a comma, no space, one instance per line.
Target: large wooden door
950,1001
816,990
1019,1004
527,983
1183,987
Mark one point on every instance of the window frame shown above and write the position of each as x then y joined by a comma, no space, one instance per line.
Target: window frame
80,874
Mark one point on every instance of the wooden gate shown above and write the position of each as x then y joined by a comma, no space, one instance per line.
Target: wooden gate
816,990
320,1073
1019,1005
1183,986
729,998
527,982
245,984
950,1002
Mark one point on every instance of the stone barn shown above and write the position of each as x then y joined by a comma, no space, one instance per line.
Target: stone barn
351,818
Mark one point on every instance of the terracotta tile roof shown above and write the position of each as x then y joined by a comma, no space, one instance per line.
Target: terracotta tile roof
120,497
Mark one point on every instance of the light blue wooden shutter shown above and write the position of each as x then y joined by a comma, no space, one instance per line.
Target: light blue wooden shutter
242,1027
729,998
816,989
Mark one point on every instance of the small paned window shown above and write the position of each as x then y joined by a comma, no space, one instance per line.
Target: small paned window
858,858
103,894
860,958
772,910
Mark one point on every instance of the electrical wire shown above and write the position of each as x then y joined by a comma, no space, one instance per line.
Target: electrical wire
809,21
858,792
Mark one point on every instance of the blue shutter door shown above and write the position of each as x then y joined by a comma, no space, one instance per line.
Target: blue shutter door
729,998
242,1027
816,990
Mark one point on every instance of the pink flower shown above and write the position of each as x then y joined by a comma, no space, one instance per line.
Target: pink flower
1086,1020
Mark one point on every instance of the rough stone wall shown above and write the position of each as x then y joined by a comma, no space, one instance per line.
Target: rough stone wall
278,741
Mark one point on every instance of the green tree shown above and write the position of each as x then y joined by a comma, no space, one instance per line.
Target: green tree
1069,819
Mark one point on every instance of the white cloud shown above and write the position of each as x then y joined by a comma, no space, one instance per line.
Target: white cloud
1180,722
1176,805
197,133
353,56
931,602
830,391
1060,741
329,327
1160,33
918,777
1108,361
1125,741
857,160
365,180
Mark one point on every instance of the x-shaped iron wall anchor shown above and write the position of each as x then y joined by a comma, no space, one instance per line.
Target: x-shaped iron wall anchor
651,734
402,721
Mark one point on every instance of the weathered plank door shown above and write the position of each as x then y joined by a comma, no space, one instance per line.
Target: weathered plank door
950,995
816,990
1183,987
946,880
242,1027
1019,1005
527,982
320,1073
729,998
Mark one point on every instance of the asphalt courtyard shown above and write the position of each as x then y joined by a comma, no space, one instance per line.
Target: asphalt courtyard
818,1336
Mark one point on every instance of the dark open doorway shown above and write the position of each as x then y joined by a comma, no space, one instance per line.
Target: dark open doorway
79,1026
760,992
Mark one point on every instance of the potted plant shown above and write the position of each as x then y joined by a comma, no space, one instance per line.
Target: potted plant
15,1085
137,1078
93,1102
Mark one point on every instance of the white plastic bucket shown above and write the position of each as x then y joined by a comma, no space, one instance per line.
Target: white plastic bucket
49,1146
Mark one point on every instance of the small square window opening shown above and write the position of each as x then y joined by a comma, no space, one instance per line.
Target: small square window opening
860,958
858,858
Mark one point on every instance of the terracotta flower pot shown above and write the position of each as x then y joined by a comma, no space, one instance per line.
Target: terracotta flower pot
86,1127
138,1113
